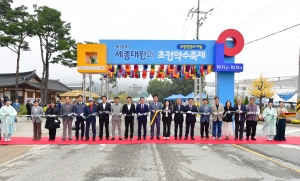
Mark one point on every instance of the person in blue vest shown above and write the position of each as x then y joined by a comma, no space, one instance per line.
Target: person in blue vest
142,113
17,107
90,112
79,110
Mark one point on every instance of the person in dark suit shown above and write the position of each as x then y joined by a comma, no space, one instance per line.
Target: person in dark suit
29,107
142,113
90,111
50,125
167,119
79,110
239,119
178,118
104,109
190,119
128,111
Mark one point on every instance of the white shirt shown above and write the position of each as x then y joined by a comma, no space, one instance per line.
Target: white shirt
128,105
167,108
35,109
104,104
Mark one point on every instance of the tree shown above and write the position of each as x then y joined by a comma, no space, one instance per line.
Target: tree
162,88
261,88
246,101
182,86
122,96
15,26
54,38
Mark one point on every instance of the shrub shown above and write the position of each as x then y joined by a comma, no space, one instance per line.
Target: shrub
295,122
23,110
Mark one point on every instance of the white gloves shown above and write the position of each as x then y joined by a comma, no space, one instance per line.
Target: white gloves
189,112
176,111
181,112
100,112
139,114
81,114
145,114
192,113
164,111
132,114
93,114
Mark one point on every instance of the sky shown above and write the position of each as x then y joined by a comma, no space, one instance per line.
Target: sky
92,20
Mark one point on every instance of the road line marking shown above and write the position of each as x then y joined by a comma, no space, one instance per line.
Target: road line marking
290,146
161,169
265,157
21,156
102,146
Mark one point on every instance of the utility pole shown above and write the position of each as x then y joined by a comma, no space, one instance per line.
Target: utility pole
298,91
198,81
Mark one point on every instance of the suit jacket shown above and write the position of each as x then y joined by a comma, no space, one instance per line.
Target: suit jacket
130,111
140,111
38,112
169,118
240,116
152,108
107,108
178,116
64,110
205,118
190,117
219,110
88,111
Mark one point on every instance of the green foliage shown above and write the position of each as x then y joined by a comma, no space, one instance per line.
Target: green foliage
235,101
23,110
246,101
55,39
162,88
182,86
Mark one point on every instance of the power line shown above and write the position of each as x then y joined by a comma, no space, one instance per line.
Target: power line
218,4
269,17
188,26
257,13
273,34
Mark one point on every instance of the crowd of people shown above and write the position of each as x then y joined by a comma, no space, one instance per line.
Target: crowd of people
84,115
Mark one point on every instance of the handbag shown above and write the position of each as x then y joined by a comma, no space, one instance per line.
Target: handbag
56,122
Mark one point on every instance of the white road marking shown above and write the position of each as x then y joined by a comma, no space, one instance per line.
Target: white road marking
102,146
24,155
290,146
292,131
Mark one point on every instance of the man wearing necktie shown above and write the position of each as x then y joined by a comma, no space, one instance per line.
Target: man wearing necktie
104,109
90,115
190,119
154,106
129,111
79,110
178,118
217,111
142,111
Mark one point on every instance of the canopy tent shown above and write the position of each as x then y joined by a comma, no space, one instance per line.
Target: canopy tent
293,99
171,97
150,98
191,95
276,99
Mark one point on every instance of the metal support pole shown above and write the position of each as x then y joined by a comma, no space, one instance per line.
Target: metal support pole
90,86
83,87
298,92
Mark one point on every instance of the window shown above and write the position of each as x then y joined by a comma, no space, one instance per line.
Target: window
37,95
30,94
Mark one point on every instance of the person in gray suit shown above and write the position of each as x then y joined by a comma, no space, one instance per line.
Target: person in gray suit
205,112
36,113
67,110
152,108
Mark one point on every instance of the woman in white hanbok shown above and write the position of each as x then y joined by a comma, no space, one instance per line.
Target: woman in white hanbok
7,117
270,115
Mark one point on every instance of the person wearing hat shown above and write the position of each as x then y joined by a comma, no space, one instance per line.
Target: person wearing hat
7,117
90,114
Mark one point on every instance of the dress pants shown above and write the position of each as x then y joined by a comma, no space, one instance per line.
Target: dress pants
157,123
37,130
103,122
187,129
217,125
67,123
280,130
166,129
116,121
178,123
204,127
140,124
88,122
251,128
79,120
239,128
52,134
129,123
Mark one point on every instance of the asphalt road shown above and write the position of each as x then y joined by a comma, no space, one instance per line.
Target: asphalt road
170,162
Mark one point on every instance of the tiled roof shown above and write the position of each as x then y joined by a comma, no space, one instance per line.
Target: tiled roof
8,80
